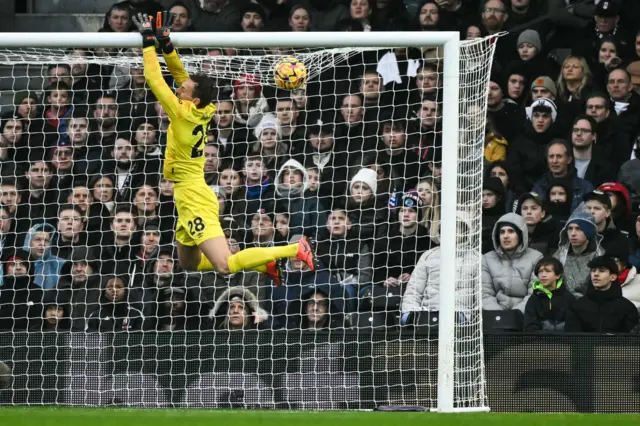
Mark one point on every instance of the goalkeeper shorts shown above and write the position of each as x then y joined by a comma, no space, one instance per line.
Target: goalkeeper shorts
197,207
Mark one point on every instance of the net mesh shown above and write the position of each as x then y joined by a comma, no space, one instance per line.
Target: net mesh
94,307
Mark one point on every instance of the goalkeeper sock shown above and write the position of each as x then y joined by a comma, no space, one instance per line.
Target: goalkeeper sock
257,258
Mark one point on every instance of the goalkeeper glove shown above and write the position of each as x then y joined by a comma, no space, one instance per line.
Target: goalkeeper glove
164,21
145,27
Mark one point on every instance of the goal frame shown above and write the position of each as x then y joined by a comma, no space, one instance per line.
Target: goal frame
449,41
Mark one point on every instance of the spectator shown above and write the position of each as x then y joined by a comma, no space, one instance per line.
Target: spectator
591,163
253,18
542,228
299,18
347,258
211,163
56,311
493,207
258,189
628,277
430,195
305,211
423,289
365,209
527,151
105,119
626,102
579,244
117,19
119,248
603,309
299,279
560,166
292,130
403,161
318,311
178,310
80,277
574,82
599,205
614,141
559,203
428,16
62,167
129,173
20,297
182,20
103,192
249,102
502,170
546,309
7,231
395,257
503,111
426,132
268,143
86,158
57,112
238,309
70,232
506,271
118,311
620,205
46,266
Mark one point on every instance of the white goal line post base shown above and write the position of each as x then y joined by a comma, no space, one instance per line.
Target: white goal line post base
450,57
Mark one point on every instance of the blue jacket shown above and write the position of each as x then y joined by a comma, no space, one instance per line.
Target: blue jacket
47,269
580,187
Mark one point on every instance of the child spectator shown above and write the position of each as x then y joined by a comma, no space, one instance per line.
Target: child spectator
507,269
579,244
117,312
268,143
46,266
57,112
599,205
314,179
258,189
306,212
368,215
628,276
547,307
559,203
620,205
603,309
347,258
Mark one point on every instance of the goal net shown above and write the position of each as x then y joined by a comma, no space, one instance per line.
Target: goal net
94,307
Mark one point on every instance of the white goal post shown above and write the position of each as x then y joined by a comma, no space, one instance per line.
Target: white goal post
465,76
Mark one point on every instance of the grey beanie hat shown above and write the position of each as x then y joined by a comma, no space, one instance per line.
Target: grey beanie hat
532,37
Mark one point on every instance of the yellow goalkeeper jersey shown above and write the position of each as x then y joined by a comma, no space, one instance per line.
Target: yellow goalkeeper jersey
187,134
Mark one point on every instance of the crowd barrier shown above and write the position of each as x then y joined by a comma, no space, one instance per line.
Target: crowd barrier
295,370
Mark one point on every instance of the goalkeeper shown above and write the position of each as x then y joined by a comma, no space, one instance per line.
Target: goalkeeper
201,242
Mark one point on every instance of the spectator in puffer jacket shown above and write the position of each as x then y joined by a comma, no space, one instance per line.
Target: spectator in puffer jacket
507,270
579,244
423,290
546,309
603,309
46,267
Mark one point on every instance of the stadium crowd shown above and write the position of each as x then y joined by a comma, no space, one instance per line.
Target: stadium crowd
352,159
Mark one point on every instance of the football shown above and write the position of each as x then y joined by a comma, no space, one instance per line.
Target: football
290,74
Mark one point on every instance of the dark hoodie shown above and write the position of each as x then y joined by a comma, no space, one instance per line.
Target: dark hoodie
602,312
20,299
297,308
119,316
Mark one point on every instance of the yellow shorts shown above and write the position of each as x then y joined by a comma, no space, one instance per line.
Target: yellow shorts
197,207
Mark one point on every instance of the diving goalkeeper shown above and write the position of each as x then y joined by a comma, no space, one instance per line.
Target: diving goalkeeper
202,245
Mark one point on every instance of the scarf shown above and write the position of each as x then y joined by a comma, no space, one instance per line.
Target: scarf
255,191
622,277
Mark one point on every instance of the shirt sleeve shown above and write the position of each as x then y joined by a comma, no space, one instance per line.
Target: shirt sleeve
159,87
176,68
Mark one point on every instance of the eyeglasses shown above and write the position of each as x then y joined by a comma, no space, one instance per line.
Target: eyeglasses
582,131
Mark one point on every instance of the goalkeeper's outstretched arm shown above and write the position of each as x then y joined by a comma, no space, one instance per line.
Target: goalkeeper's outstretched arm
164,20
152,71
